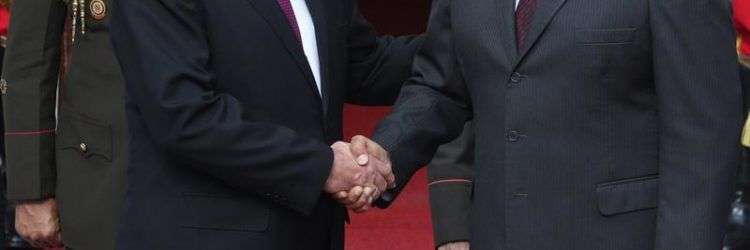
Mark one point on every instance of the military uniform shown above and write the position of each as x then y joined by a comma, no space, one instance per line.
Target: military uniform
450,178
78,159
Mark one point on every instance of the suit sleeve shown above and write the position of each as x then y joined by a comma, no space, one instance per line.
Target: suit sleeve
163,49
30,76
450,180
378,65
699,100
432,108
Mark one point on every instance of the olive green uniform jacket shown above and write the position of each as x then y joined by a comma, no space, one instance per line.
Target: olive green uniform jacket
450,178
79,157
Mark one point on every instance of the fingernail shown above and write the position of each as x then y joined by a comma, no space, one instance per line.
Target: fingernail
362,159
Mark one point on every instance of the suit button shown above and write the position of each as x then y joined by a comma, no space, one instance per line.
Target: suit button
520,195
515,80
514,136
516,77
83,147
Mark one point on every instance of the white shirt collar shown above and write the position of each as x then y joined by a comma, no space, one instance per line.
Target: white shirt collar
309,38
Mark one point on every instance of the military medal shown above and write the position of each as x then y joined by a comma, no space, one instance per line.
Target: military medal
83,17
74,21
79,15
98,9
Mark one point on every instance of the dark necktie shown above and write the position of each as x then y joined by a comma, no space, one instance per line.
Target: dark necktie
524,16
286,7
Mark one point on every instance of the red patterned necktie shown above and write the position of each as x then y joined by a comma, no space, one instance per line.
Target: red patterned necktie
524,16
286,7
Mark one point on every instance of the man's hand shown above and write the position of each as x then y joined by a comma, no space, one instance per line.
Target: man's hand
362,147
460,245
347,175
367,153
38,223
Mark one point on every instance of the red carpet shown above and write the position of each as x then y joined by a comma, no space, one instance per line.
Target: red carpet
405,225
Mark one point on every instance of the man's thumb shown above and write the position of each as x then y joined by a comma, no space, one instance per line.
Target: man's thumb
362,160
359,149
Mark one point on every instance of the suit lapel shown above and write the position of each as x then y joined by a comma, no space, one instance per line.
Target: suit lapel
546,10
507,9
317,10
271,12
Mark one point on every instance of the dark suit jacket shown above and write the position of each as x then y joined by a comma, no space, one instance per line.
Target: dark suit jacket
450,178
230,138
78,156
617,128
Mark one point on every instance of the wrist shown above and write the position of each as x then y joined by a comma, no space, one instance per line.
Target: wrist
455,245
33,201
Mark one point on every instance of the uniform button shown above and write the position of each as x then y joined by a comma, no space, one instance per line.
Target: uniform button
83,147
3,86
514,136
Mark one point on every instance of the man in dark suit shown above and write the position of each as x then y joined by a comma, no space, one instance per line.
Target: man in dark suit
232,107
599,124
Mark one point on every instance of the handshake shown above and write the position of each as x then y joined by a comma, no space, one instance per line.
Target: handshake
361,172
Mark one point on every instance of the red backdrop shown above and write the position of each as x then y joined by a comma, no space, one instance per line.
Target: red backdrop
742,21
406,225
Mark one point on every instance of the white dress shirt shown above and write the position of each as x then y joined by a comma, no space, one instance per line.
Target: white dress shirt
517,3
309,40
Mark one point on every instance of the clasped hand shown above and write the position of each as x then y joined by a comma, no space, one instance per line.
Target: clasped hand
361,172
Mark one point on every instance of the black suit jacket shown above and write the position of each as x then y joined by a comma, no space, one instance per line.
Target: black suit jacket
230,138
617,128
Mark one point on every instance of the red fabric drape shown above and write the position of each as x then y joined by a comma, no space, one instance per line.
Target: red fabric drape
4,20
742,22
406,225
